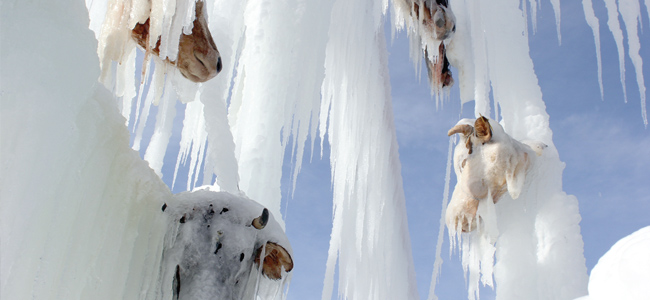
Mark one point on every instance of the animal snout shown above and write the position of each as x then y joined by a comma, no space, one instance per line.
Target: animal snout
211,60
219,64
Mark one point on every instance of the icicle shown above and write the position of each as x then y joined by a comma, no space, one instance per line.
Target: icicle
615,28
591,19
192,143
533,13
260,126
369,222
144,79
631,14
437,264
141,123
556,10
125,84
164,120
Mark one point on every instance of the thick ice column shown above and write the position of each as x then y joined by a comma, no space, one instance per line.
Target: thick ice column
370,237
227,28
540,250
276,91
79,210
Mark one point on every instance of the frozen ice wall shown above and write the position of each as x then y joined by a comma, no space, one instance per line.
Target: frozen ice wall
80,211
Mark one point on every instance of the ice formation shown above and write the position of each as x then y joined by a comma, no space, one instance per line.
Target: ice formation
369,207
630,12
80,212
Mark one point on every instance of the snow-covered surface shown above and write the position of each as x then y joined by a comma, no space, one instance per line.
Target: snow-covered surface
624,271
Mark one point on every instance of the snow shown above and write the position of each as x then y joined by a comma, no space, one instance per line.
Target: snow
624,271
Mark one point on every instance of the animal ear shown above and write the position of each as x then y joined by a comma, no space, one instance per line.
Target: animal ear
516,174
465,129
275,259
483,129
260,222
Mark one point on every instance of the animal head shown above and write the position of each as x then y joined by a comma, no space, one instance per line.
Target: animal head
198,58
436,22
216,242
488,163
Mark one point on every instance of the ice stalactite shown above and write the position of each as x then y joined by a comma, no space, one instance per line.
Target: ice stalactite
369,223
591,19
162,132
558,18
193,138
630,12
615,27
275,93
227,27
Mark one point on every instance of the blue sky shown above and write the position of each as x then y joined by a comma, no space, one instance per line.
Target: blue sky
603,143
